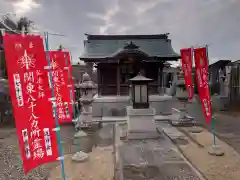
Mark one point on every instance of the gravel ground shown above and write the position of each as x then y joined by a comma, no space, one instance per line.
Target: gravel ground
10,159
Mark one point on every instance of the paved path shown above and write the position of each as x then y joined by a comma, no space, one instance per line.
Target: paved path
227,126
195,148
153,159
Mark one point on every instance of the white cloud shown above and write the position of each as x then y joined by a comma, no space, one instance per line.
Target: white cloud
22,7
107,18
189,22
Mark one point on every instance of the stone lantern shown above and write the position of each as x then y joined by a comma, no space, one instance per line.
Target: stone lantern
87,89
141,123
182,96
139,94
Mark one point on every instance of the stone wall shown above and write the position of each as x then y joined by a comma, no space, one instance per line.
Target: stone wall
107,106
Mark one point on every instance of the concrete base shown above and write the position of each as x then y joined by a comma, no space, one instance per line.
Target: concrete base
80,134
80,156
88,126
140,120
183,123
216,151
195,129
141,123
180,118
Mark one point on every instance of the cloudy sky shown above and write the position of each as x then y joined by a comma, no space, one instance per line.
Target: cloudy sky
189,22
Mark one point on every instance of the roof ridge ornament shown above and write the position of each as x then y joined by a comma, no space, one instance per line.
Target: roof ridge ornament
131,45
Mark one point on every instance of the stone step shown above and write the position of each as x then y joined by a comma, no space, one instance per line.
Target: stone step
140,112
143,135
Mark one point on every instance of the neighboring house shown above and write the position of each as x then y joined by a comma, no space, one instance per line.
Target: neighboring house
233,74
216,71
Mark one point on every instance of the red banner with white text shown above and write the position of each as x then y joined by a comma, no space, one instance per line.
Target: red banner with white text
186,56
28,80
61,89
201,63
70,75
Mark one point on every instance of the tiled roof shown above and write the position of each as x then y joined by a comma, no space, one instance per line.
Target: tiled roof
98,46
8,25
219,64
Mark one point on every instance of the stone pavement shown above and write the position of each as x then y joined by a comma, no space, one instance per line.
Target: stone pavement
195,148
152,159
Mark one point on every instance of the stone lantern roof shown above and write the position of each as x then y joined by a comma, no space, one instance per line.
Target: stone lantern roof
141,78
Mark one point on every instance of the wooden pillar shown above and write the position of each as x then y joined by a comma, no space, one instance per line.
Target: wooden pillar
118,80
89,69
160,80
99,82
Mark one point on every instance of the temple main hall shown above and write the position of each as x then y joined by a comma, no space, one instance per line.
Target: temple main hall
119,58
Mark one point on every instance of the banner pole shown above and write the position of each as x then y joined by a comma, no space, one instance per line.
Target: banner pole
215,150
195,129
61,158
76,112
213,119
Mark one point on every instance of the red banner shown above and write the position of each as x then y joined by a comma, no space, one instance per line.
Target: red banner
25,57
201,63
61,89
186,55
70,75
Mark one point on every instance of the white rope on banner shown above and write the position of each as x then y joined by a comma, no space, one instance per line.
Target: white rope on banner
200,46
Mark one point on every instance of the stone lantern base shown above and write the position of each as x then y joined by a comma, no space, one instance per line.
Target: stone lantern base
90,126
80,156
141,123
216,151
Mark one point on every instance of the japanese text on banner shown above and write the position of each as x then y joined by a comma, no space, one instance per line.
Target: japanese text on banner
201,62
61,90
28,82
186,55
70,82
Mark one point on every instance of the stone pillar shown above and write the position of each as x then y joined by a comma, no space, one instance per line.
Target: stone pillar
99,80
160,80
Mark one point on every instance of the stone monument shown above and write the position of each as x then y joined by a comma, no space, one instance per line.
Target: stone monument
141,122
